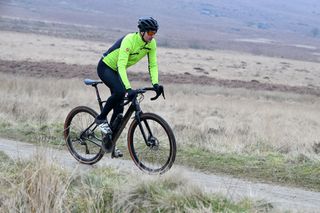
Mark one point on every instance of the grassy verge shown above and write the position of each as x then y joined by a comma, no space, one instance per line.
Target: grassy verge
41,186
269,166
273,167
50,134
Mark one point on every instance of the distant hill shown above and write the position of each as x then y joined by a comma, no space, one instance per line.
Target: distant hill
267,27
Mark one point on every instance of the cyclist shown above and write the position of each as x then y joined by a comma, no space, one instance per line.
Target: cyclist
112,70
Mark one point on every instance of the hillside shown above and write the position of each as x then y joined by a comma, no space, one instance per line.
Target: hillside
269,27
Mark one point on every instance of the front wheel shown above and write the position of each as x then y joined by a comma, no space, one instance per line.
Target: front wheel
82,137
151,143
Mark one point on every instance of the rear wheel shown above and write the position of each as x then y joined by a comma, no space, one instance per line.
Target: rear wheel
82,137
152,144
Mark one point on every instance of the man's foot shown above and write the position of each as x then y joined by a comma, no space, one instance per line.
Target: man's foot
104,126
117,153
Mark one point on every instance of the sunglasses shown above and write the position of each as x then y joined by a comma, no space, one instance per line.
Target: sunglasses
151,33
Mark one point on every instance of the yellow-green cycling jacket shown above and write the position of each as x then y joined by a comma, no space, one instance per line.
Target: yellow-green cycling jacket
127,51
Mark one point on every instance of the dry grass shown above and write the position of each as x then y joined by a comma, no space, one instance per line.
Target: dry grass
215,119
171,194
241,121
40,185
36,186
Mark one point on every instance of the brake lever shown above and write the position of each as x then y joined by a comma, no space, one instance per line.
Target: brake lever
164,97
157,96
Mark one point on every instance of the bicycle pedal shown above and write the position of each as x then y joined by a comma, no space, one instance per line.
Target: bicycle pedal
116,153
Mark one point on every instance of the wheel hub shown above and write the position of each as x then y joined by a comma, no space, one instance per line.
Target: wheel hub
153,143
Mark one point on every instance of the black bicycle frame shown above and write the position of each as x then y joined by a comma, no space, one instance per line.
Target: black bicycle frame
124,122
134,107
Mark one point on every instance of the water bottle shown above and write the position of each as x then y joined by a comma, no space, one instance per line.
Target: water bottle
116,123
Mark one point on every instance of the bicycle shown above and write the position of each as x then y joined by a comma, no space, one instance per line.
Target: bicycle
150,140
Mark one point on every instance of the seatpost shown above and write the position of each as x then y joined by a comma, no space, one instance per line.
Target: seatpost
98,96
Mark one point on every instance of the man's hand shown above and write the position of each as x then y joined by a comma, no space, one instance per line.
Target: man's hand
158,88
131,94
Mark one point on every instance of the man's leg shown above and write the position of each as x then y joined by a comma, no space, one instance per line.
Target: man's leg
117,89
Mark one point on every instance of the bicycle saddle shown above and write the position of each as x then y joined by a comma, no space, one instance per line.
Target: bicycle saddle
91,82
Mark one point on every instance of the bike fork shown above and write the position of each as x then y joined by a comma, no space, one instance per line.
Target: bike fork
146,139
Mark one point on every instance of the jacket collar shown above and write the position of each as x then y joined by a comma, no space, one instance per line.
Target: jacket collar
141,41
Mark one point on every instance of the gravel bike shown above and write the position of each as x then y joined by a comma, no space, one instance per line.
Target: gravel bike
150,140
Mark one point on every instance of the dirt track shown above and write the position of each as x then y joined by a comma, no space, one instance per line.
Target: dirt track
281,198
63,70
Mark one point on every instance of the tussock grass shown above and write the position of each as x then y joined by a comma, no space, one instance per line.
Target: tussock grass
172,194
210,121
35,186
39,185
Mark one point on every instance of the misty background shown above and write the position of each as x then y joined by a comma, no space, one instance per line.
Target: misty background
289,29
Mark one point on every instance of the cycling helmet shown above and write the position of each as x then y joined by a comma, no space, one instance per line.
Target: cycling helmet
147,24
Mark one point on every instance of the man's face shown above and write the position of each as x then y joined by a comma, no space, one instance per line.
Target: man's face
148,36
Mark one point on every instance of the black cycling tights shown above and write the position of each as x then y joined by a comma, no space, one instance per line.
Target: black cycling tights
113,81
